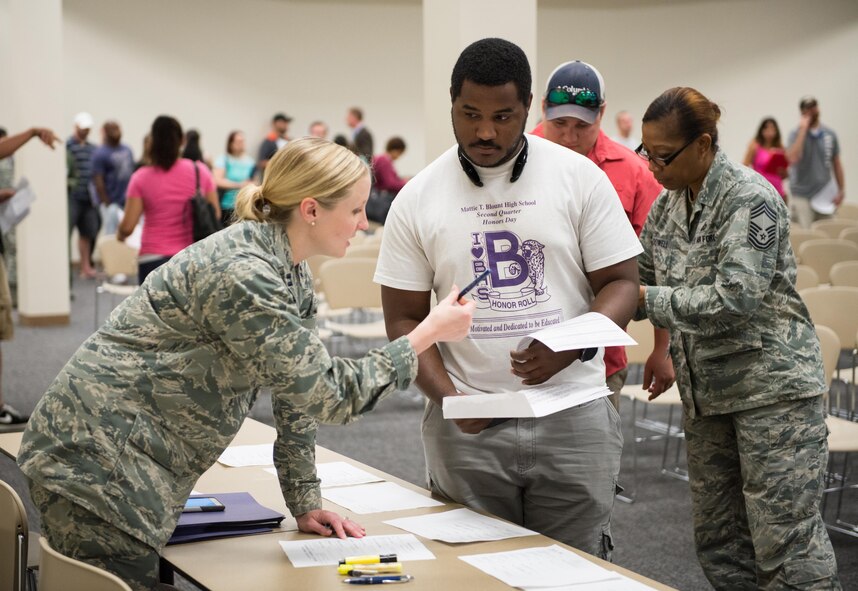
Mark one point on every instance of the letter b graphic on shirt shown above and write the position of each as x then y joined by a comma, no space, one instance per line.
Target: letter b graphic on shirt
509,267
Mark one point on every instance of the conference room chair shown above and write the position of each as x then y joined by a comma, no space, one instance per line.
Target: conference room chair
119,263
847,211
850,234
844,274
842,441
17,559
823,253
837,308
61,573
348,285
375,237
642,332
833,226
799,235
364,250
805,277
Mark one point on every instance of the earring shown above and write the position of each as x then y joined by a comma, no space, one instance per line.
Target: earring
312,223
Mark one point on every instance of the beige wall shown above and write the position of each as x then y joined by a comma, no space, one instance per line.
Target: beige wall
221,64
752,57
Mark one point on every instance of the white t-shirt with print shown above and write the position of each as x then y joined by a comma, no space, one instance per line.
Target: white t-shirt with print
538,236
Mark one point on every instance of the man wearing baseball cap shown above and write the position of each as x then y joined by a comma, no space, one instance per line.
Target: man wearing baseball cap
815,169
573,106
82,213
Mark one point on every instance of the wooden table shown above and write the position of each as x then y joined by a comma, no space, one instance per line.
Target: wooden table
258,562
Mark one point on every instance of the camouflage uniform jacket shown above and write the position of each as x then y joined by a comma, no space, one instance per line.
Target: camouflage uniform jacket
724,285
150,400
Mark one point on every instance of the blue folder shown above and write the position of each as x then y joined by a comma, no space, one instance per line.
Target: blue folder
241,516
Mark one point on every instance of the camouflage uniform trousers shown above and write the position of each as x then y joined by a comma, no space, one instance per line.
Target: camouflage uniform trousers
757,478
75,532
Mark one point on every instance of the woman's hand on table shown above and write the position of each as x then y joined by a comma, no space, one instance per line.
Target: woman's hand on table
325,523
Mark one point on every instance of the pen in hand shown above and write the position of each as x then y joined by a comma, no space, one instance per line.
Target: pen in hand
473,283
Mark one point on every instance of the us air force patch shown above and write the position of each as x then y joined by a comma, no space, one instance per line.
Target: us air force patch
763,226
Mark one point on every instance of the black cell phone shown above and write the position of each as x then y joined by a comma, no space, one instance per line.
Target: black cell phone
196,504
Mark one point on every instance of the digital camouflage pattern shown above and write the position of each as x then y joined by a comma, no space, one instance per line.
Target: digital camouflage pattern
749,370
149,401
740,335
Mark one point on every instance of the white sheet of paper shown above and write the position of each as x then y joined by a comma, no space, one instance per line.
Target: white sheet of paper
823,202
339,474
621,583
17,207
550,566
538,401
588,330
239,456
377,498
459,526
329,551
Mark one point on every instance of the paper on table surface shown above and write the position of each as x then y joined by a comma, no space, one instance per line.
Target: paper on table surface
328,551
823,202
459,526
339,474
377,498
588,330
16,208
538,401
550,566
239,456
621,583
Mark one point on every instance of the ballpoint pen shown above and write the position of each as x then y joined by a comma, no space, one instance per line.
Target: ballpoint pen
474,283
381,580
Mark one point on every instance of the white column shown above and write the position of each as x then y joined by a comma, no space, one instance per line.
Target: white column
32,67
448,27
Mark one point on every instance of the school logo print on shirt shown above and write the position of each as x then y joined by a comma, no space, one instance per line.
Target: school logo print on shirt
517,280
763,227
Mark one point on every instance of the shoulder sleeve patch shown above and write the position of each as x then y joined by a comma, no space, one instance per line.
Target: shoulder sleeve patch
762,227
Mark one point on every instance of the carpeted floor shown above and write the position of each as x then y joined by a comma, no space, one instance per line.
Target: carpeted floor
652,535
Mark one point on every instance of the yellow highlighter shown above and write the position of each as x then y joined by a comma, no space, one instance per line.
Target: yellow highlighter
359,570
369,559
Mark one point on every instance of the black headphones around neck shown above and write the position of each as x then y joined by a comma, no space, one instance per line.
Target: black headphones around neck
472,173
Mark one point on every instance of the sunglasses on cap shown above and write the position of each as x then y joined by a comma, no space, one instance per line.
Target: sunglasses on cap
583,97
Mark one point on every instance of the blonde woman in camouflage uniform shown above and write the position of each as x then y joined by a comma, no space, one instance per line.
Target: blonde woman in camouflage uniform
719,273
150,401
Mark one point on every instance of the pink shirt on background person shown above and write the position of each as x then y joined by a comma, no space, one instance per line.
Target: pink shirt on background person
762,157
386,178
166,194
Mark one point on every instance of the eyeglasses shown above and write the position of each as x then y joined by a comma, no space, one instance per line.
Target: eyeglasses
583,97
660,162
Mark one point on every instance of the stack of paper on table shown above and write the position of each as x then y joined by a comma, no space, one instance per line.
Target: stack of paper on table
339,474
240,456
242,515
377,498
329,551
585,331
550,568
460,526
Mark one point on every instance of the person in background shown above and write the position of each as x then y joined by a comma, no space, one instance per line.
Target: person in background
563,249
10,417
83,214
384,173
341,140
765,152
161,193
318,129
573,107
112,165
171,376
718,271
361,143
625,129
193,149
232,171
276,139
814,157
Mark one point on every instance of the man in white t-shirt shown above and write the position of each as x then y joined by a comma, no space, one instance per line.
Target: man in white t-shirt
549,226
